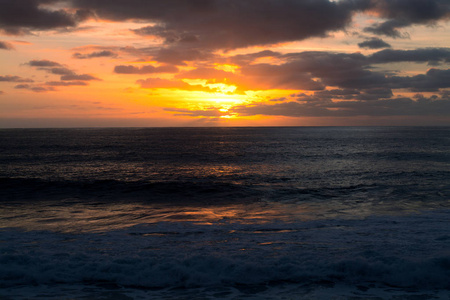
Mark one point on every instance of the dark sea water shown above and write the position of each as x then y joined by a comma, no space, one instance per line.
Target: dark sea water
225,213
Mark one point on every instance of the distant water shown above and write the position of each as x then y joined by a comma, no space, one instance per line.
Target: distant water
218,213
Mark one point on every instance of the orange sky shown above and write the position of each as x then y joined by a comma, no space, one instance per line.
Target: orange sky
213,63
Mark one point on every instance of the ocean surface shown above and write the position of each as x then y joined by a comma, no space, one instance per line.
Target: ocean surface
225,213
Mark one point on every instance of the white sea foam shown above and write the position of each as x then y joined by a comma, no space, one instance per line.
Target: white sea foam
402,252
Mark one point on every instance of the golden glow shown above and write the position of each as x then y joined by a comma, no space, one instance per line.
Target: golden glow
226,67
201,82
221,87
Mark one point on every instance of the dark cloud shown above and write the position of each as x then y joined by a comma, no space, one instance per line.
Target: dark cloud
120,10
6,46
170,36
389,28
42,89
314,70
245,59
343,94
145,69
374,94
58,71
403,13
36,89
81,77
162,55
437,106
317,70
228,24
286,76
2,92
56,68
20,17
43,63
350,74
49,86
418,55
22,86
433,80
104,53
10,78
414,11
374,43
66,83
222,24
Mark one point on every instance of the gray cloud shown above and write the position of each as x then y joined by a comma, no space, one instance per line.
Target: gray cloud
10,78
34,88
374,43
22,86
343,94
374,94
104,53
43,63
145,69
430,55
56,68
350,74
433,80
435,105
81,77
42,89
389,28
66,83
316,70
245,59
222,24
6,46
21,17
49,86
403,13
58,71
180,56
228,24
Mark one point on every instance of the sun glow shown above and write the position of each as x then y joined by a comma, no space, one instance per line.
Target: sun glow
222,87
226,68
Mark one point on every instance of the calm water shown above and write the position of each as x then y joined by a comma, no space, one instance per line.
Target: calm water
225,213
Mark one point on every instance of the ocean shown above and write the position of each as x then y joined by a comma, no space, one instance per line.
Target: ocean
225,213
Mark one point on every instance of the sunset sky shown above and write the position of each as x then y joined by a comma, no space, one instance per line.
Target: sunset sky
77,63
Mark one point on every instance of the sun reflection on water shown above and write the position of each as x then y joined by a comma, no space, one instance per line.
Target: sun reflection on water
99,217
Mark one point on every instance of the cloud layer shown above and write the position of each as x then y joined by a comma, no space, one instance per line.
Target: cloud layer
242,48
